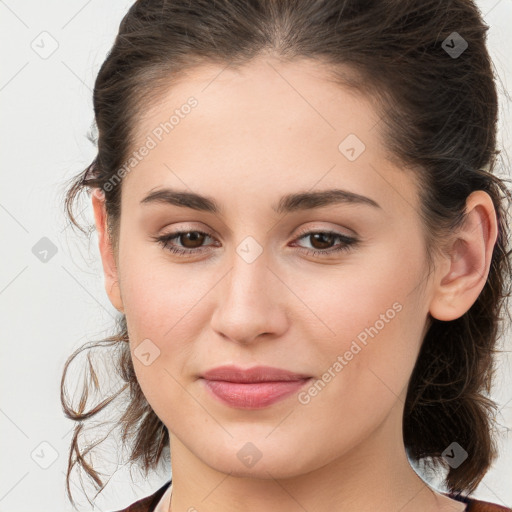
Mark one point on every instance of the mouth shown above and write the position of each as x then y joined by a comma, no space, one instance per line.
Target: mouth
252,388
231,373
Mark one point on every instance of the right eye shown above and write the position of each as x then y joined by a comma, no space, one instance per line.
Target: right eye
193,238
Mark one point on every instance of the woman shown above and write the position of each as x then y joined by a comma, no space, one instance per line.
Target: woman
299,225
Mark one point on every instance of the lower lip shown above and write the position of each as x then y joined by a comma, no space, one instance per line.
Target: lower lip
254,395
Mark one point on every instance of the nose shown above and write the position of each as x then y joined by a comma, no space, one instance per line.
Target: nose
250,302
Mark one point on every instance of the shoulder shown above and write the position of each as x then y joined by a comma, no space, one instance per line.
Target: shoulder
148,503
485,506
475,505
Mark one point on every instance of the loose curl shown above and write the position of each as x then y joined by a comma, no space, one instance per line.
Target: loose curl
438,120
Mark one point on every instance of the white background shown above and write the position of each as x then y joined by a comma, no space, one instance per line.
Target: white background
49,309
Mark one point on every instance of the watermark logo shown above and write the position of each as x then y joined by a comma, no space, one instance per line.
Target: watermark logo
147,352
249,249
454,45
455,455
44,455
351,147
44,250
249,454
45,45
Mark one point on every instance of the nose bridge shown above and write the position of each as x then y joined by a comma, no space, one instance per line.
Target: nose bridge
248,279
247,298
248,253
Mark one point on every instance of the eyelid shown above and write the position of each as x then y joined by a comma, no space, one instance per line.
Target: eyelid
301,232
186,226
315,228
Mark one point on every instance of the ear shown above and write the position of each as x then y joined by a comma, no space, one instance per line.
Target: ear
105,246
464,271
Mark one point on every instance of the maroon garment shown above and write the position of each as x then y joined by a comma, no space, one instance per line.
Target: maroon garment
149,503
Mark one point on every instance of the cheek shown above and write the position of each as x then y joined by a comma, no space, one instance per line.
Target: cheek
165,303
378,289
159,295
164,315
372,315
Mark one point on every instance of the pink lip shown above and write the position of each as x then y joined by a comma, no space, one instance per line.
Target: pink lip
253,388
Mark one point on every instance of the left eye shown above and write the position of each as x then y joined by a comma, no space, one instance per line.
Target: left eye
191,242
324,238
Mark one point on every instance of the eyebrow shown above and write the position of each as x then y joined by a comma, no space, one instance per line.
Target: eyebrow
289,203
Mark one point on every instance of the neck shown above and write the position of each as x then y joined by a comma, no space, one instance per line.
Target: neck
374,475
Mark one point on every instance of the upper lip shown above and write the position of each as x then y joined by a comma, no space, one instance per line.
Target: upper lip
231,373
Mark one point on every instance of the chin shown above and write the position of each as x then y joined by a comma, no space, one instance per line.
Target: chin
259,459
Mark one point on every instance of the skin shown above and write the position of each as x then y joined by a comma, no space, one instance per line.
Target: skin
266,130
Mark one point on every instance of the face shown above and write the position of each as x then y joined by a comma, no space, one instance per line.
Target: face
333,289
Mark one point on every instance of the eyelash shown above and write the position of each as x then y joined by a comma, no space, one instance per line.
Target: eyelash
348,243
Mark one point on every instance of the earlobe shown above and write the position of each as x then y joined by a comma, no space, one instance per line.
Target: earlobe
466,268
110,270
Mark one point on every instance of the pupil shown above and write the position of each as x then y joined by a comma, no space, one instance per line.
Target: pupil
321,237
192,236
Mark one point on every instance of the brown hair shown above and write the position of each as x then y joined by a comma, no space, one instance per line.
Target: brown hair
439,119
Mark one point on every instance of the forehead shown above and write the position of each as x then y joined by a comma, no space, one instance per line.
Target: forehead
261,131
